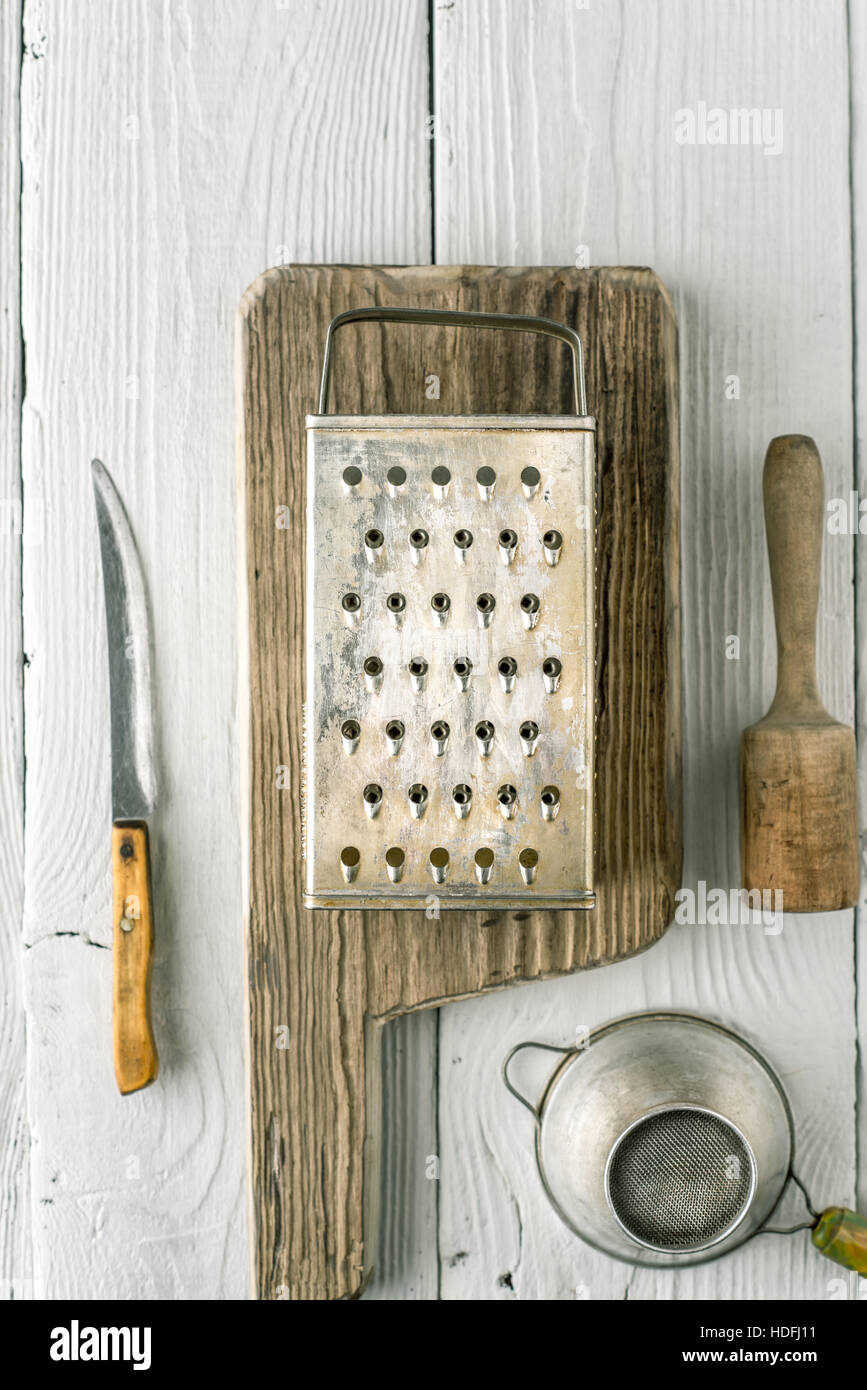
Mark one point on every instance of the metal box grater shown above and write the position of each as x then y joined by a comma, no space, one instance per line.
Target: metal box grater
448,743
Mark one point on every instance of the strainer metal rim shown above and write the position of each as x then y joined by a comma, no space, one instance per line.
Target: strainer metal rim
698,1246
570,1054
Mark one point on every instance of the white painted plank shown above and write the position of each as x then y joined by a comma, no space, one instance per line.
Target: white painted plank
170,154
858,82
14,1138
407,1266
556,130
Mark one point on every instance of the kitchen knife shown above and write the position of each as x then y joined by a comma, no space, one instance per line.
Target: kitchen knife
133,785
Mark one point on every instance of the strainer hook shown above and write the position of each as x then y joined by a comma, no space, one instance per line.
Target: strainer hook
519,1047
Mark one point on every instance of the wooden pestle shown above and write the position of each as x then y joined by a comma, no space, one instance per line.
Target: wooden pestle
799,826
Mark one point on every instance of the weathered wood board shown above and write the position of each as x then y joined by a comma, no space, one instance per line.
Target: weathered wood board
317,982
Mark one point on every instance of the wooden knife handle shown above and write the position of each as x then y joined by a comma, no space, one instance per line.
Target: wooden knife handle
135,1054
794,496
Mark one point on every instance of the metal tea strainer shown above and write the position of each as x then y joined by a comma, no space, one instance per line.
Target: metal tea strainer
669,1140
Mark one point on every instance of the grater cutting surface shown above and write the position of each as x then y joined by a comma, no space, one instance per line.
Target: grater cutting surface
484,859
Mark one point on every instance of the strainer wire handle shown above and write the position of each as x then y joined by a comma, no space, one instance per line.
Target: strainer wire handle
459,318
541,1047
802,1225
839,1233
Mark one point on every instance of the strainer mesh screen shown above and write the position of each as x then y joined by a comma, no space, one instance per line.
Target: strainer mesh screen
679,1179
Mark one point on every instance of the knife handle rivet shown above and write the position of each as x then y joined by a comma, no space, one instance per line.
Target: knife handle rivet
126,924
126,850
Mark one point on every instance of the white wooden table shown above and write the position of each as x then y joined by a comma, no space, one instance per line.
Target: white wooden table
169,152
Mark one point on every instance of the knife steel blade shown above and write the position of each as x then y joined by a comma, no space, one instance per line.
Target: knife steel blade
133,784
133,781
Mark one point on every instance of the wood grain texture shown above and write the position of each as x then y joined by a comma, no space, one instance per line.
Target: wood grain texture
556,131
407,961
169,153
135,1055
14,1136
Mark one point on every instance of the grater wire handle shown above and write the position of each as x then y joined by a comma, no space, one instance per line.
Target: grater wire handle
460,318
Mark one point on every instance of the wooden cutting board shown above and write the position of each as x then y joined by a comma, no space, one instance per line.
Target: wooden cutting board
321,984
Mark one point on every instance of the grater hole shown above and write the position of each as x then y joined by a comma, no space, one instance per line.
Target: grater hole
553,540
418,794
372,794
463,666
507,666
462,794
530,603
373,538
508,540
394,729
552,666
439,731
463,539
550,796
396,476
441,603
529,730
485,603
373,666
350,728
395,603
418,538
351,602
530,477
484,858
679,1179
441,477
528,860
507,796
350,857
484,729
352,476
486,477
417,666
439,863
395,857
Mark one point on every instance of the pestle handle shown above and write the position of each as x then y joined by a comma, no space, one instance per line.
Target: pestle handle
794,496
